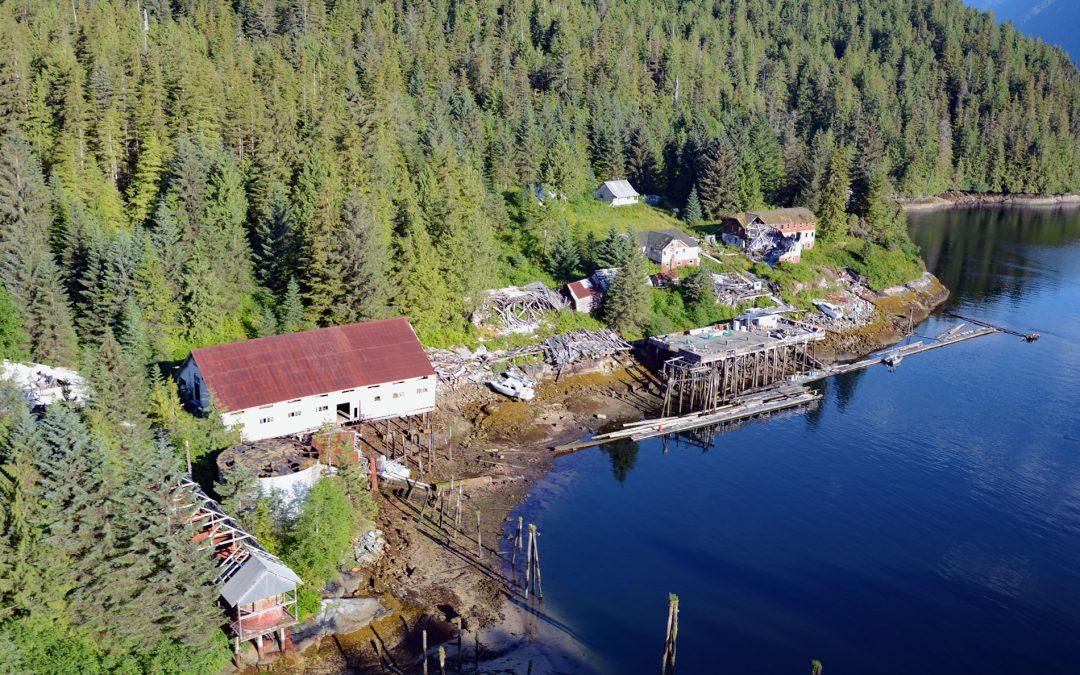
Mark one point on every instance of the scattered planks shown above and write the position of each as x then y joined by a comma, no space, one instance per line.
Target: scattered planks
461,365
517,310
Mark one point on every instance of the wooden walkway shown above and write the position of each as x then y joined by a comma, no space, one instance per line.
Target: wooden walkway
781,396
896,354
774,399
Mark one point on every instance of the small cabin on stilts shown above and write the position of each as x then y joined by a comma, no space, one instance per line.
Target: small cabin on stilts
257,590
261,597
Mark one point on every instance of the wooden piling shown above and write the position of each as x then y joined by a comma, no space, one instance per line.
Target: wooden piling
423,637
668,664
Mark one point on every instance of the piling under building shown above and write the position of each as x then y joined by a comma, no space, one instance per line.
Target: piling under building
707,367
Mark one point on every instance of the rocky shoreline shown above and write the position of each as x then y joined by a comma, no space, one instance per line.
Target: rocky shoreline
957,198
426,580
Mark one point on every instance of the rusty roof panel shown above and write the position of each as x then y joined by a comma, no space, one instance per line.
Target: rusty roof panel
284,367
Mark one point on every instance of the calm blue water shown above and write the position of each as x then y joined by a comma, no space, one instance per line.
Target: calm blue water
919,521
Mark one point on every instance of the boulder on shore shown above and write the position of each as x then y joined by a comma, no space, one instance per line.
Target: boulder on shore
338,615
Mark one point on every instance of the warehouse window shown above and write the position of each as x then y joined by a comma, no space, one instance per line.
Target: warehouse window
266,420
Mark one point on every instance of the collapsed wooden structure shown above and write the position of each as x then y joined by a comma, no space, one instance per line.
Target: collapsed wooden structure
708,367
257,589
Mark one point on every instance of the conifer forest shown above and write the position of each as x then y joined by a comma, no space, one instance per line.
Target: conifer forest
183,173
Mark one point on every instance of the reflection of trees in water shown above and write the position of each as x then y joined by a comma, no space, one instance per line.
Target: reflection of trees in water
983,252
813,415
845,386
623,454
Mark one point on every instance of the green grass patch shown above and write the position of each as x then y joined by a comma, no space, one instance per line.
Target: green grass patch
596,217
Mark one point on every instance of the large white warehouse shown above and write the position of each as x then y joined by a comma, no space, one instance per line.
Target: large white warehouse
290,384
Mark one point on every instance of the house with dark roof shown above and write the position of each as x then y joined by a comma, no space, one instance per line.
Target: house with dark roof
618,193
776,235
290,384
671,249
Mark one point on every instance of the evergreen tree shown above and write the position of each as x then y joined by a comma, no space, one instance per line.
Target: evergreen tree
626,303
118,400
291,313
563,257
613,250
27,269
363,256
692,213
14,342
422,293
832,211
238,491
718,178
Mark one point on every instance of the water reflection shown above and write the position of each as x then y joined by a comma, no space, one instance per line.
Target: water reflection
623,454
984,253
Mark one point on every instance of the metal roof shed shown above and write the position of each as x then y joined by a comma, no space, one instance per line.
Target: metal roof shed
257,579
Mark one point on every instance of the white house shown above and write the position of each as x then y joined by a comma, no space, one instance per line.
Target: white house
618,193
671,249
290,384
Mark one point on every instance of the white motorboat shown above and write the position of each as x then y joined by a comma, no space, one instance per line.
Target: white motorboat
514,386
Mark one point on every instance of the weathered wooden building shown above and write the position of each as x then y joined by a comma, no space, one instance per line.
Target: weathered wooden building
778,235
258,591
295,383
708,367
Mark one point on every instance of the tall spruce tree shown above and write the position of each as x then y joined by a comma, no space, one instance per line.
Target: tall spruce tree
693,213
27,268
626,303
832,211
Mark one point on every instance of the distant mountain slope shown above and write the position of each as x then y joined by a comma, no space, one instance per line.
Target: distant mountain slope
1055,21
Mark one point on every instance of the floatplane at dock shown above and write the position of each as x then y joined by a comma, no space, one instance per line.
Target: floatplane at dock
790,393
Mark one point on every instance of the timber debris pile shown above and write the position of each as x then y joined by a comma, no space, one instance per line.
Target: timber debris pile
517,310
459,366
735,288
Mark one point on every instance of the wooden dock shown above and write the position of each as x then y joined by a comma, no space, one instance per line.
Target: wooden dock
782,396
773,399
896,354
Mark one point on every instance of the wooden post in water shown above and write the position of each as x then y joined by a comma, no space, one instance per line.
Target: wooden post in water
479,543
442,660
517,544
534,540
423,637
457,622
532,565
668,665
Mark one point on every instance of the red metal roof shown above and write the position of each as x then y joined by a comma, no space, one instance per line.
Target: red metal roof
582,289
284,367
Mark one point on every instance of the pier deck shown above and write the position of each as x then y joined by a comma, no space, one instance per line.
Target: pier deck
776,397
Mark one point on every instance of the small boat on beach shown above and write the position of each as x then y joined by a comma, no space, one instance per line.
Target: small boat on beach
514,385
